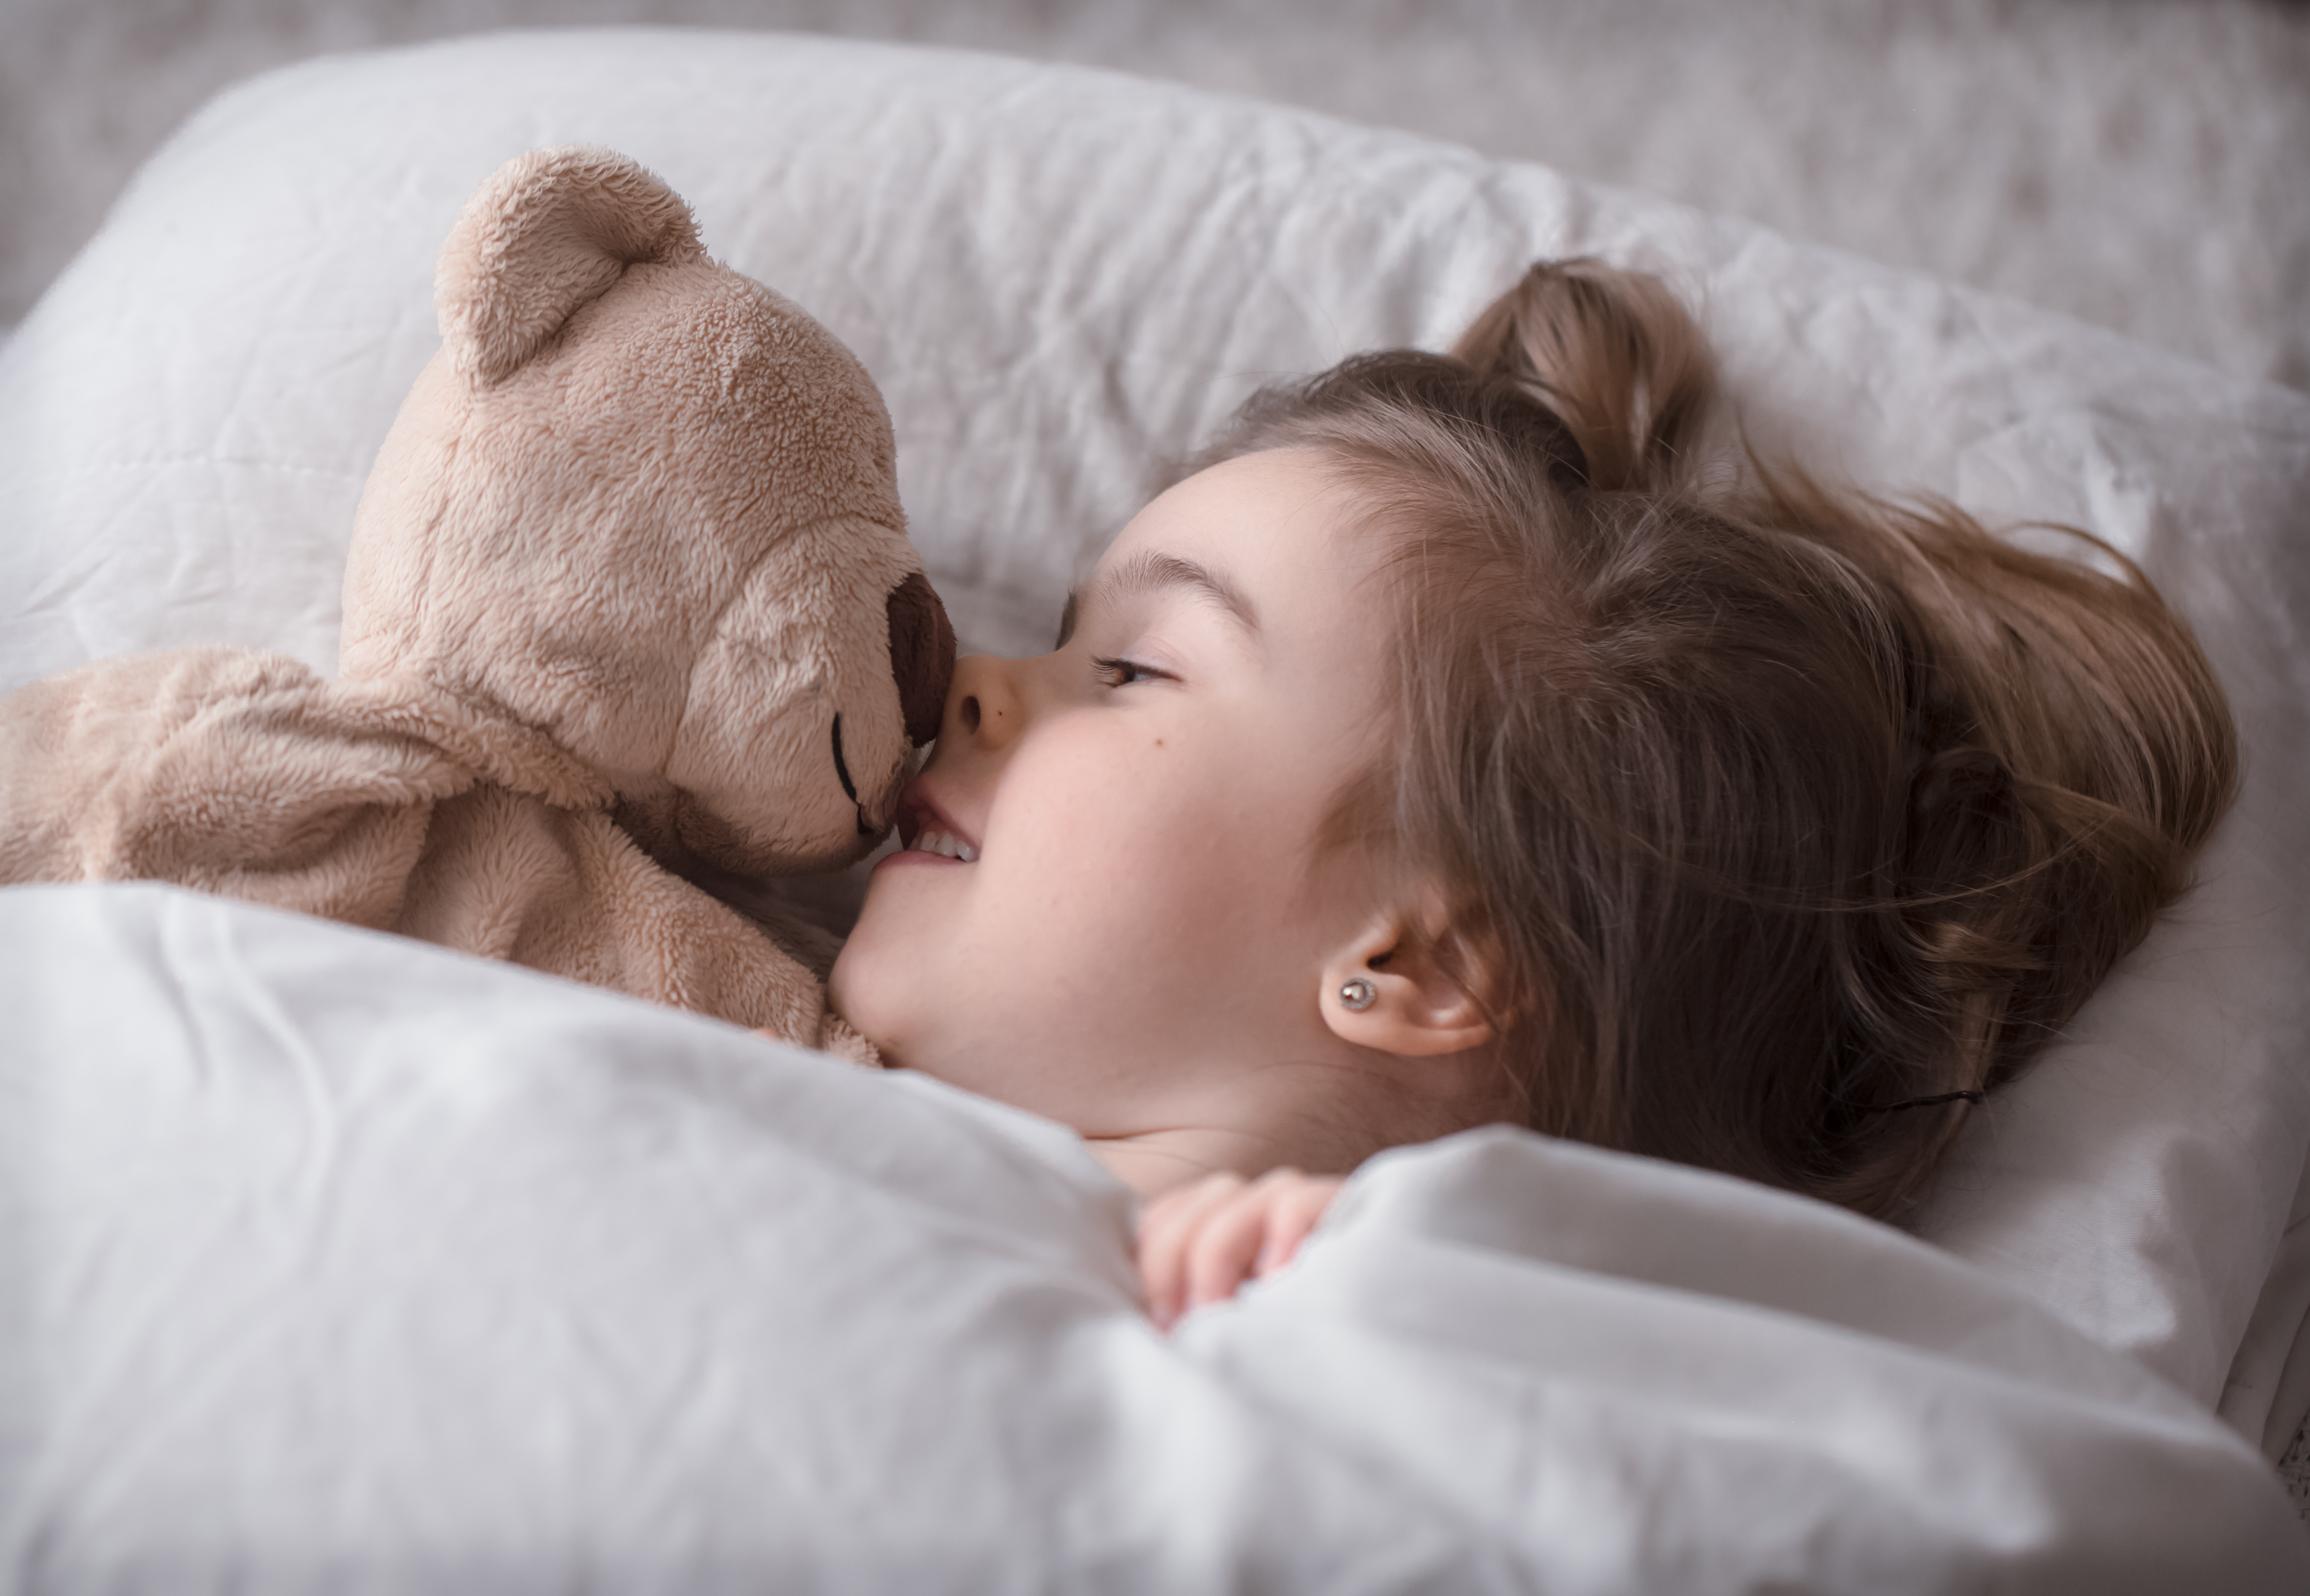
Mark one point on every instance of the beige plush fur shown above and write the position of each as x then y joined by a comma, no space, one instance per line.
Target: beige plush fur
629,600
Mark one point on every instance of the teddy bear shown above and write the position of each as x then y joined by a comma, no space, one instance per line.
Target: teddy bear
630,606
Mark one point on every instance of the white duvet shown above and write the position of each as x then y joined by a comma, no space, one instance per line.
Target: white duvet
346,1265
329,1262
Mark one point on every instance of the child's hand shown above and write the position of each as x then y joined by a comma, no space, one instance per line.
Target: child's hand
1198,1242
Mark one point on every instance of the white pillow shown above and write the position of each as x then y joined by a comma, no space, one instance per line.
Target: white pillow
1062,279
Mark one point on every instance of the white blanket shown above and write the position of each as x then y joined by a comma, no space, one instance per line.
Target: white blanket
339,1262
1059,277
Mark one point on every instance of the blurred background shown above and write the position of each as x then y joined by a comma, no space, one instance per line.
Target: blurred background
2144,164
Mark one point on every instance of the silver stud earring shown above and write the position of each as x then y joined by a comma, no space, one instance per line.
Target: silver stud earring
1358,994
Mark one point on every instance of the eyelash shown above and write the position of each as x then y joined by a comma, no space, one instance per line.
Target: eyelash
1121,672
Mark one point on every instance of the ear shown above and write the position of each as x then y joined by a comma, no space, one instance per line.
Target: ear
548,231
1418,1009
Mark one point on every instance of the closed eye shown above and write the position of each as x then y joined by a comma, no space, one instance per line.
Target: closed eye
1123,673
842,766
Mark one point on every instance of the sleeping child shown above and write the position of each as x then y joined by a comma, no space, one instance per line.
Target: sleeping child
1465,743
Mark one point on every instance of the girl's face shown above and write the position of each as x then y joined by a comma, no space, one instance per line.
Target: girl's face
1105,912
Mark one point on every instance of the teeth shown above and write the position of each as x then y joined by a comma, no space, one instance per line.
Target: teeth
933,841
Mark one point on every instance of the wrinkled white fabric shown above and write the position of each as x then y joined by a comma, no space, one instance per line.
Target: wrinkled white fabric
1062,279
337,1262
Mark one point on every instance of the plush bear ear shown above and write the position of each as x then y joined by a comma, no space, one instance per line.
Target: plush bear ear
548,231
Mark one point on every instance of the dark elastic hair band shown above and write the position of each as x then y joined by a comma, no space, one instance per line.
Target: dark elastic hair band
1967,1095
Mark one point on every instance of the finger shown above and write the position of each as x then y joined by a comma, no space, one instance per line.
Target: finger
1166,1237
1166,1227
1296,1211
1219,1258
1181,1208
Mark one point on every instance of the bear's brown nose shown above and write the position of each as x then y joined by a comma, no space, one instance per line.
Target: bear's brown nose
922,655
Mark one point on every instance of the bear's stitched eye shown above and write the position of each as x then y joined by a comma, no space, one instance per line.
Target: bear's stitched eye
841,769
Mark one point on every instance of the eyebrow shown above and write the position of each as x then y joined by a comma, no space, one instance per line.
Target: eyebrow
1152,571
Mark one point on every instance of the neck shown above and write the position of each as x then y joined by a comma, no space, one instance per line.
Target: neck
1153,1162
1323,1125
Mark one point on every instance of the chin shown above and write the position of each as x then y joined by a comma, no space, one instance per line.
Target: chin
850,992
860,990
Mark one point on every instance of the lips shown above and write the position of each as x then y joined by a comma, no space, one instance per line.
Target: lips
923,828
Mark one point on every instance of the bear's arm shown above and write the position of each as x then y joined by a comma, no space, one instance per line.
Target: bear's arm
220,769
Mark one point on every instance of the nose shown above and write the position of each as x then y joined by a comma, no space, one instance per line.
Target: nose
984,709
922,655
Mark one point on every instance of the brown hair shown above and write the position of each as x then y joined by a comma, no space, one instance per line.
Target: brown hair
1761,808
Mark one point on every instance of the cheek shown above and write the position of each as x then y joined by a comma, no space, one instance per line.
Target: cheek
1135,907
1125,923
1126,892
1136,852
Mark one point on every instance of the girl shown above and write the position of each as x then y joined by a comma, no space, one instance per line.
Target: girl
1459,746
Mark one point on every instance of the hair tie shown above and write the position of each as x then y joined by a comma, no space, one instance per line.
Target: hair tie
1969,1095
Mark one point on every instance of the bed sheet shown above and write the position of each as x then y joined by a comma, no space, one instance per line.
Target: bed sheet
1065,279
339,1261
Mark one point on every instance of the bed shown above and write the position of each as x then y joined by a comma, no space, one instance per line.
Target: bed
337,1262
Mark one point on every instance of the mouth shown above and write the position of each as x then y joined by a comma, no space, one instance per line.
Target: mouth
926,829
